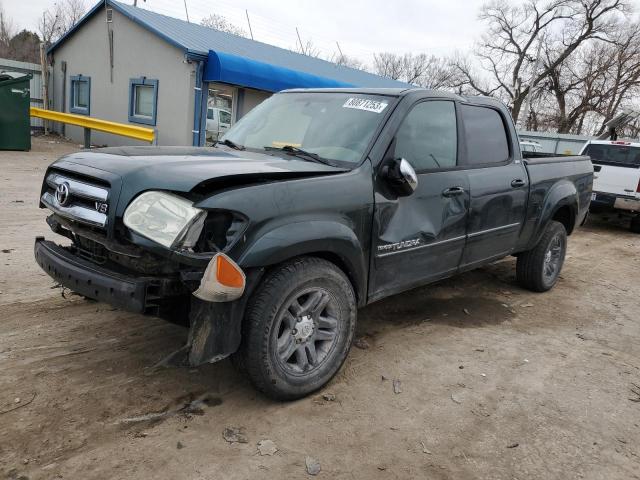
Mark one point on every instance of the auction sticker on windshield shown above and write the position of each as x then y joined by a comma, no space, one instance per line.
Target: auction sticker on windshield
366,104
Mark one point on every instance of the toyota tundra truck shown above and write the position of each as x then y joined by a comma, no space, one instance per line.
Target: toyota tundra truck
316,203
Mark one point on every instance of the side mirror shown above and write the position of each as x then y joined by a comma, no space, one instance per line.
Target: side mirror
402,177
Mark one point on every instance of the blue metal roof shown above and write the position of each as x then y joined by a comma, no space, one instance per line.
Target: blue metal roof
197,40
235,70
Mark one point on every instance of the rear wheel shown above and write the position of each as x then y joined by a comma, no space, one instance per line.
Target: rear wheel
299,328
538,269
635,224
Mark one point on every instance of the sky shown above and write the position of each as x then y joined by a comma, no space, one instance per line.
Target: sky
360,27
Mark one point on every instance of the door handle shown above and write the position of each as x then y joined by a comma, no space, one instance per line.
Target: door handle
453,191
517,183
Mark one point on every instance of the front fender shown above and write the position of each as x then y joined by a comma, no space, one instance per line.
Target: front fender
312,237
562,194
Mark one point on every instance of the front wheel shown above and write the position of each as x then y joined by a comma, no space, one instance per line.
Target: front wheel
538,269
299,328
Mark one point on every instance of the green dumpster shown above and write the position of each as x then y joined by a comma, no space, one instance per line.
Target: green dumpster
15,130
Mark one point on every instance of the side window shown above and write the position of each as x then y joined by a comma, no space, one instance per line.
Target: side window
428,136
143,100
225,117
80,94
210,113
485,135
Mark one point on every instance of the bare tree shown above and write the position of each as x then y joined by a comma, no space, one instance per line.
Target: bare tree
59,19
389,65
307,48
347,61
623,76
220,23
507,49
420,69
6,33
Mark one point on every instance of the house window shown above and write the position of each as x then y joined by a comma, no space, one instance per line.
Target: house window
143,100
80,97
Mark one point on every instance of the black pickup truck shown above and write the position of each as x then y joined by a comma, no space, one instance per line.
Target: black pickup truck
314,204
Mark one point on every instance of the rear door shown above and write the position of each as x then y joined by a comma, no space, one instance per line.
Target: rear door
420,238
499,186
617,167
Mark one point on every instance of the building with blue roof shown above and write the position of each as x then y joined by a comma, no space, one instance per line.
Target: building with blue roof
189,82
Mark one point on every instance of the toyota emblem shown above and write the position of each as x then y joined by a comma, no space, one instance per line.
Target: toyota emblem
62,194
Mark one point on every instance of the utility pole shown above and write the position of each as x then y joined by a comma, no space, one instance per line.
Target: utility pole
45,71
301,46
340,50
536,65
186,11
249,23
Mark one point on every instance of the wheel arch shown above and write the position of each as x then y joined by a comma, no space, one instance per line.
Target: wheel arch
330,240
561,204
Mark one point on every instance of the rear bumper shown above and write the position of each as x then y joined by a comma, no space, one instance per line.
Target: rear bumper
139,295
616,202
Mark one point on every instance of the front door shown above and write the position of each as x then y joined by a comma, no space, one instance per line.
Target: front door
421,237
499,187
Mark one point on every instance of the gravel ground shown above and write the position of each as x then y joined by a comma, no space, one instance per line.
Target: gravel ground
494,382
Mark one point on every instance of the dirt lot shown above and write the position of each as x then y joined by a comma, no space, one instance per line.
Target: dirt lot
497,382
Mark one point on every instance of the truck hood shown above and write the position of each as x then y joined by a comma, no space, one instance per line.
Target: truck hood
183,169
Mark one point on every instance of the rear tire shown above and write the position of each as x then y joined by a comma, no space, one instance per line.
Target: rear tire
538,269
298,329
635,224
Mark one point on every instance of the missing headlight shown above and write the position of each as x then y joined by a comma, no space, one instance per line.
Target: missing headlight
220,231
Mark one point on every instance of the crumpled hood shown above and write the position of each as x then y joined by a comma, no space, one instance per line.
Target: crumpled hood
182,169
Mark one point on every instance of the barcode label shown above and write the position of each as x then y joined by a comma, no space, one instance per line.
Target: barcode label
366,104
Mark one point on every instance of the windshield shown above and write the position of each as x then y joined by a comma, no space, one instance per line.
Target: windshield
620,155
335,126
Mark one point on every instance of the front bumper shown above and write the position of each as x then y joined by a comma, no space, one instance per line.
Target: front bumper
215,328
135,294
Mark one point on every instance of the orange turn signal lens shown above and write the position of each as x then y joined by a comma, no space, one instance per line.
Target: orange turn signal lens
228,274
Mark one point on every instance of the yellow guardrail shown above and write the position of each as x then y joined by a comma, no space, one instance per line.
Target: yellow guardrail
89,123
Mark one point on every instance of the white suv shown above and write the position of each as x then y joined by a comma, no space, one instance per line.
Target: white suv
616,180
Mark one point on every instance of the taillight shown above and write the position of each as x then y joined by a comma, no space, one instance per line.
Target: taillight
638,189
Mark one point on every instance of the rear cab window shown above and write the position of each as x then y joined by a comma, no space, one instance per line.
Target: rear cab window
615,155
485,134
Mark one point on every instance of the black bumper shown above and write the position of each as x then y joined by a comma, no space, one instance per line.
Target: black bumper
138,295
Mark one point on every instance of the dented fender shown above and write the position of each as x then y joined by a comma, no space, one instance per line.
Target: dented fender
312,237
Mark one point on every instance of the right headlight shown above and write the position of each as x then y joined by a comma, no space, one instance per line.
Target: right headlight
165,218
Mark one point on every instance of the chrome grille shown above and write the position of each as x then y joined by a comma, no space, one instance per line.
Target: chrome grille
76,200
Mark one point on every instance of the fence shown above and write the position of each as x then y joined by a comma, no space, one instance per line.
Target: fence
35,85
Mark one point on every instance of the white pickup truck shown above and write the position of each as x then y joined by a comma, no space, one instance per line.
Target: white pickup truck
616,181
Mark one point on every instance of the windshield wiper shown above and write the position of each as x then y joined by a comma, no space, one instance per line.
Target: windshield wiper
231,144
300,153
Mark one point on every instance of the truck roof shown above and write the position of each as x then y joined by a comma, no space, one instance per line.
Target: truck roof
401,92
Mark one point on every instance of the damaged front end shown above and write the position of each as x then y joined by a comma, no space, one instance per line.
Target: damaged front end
115,261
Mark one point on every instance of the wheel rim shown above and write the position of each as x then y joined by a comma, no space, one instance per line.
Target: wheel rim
307,331
553,259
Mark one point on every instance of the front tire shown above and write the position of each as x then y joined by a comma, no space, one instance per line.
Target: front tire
538,269
299,328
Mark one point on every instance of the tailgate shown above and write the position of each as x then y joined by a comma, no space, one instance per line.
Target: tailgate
616,167
615,180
